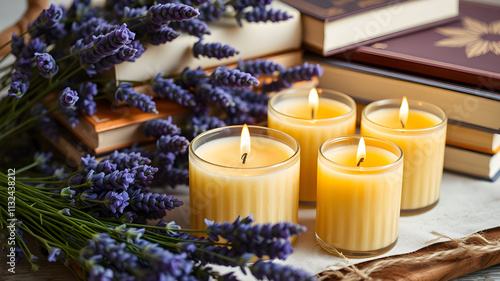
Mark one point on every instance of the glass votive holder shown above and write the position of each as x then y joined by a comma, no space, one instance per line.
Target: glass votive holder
222,187
289,111
423,141
357,208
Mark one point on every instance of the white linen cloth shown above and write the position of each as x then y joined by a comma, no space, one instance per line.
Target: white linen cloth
466,206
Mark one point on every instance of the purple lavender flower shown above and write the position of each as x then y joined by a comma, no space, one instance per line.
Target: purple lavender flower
164,161
115,201
163,261
302,72
194,27
166,87
153,205
259,66
46,65
174,177
259,239
174,144
164,13
86,103
213,50
213,10
88,28
223,76
120,180
67,99
106,166
143,175
25,59
17,44
126,53
199,124
276,86
106,45
116,255
215,95
190,78
164,35
55,253
136,44
20,82
262,15
124,92
159,127
125,160
273,271
47,19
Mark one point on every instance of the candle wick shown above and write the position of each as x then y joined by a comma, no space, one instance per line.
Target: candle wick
360,160
244,157
312,114
402,124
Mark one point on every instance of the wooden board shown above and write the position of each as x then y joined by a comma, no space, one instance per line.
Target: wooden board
442,269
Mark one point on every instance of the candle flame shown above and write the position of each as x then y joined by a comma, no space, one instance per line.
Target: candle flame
403,112
361,155
244,143
313,102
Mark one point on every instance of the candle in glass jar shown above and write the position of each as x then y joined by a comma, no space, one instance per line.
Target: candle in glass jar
311,118
419,128
359,195
233,175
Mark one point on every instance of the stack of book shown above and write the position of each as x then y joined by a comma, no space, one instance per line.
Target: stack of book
455,65
117,126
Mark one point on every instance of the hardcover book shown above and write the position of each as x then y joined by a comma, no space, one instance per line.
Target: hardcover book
252,40
115,127
464,105
465,51
472,163
330,27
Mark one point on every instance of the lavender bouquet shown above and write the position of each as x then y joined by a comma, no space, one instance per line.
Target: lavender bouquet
96,214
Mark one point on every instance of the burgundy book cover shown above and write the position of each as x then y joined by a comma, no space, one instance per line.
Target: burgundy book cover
334,9
465,51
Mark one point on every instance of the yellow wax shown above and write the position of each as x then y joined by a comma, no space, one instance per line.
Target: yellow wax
358,211
423,150
226,188
310,134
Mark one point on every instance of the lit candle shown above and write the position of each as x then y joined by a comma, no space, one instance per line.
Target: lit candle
359,195
237,171
311,118
419,128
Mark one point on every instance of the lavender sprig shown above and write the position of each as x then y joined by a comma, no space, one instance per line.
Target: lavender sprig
164,13
259,66
223,76
159,127
213,50
212,11
174,144
163,35
125,93
166,87
67,99
215,95
277,272
194,27
263,15
46,65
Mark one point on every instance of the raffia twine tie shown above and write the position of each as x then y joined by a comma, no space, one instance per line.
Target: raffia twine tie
461,248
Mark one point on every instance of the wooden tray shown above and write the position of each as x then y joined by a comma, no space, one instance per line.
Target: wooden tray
442,269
